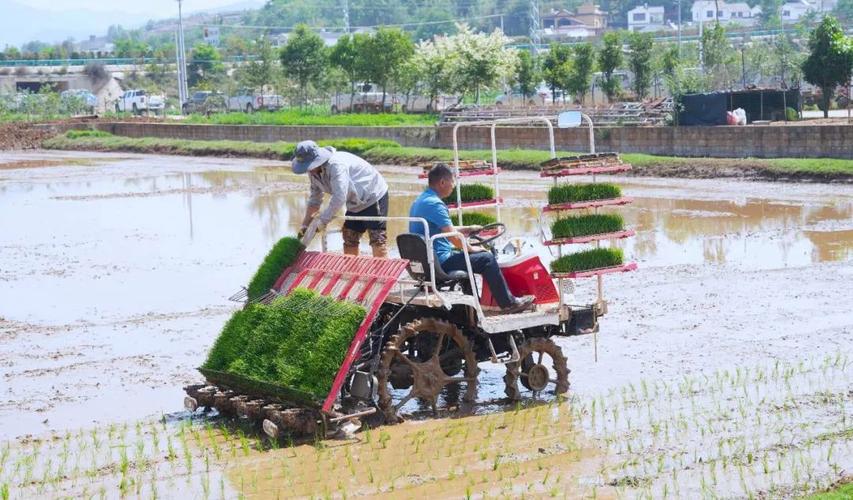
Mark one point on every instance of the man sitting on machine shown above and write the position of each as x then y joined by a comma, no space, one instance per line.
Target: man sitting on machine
429,205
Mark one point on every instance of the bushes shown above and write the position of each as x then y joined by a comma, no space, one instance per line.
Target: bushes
589,259
472,192
283,253
477,219
298,341
568,193
76,134
585,225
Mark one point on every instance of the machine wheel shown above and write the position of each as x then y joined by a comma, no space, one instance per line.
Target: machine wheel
422,357
533,371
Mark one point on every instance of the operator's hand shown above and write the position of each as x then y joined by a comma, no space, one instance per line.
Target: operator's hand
301,233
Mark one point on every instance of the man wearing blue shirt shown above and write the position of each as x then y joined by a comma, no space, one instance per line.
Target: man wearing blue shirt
430,207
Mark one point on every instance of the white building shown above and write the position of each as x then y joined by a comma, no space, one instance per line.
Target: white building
704,11
645,18
792,11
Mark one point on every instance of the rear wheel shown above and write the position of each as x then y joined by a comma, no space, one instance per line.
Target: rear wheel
542,366
418,362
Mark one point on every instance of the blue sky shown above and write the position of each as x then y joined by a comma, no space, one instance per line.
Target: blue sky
54,21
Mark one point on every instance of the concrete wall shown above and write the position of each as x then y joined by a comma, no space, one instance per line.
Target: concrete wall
407,136
831,141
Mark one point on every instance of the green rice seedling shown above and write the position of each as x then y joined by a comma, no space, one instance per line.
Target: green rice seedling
477,219
589,259
570,193
282,254
298,341
472,192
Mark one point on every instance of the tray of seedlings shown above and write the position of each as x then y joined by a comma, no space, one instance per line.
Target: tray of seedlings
593,163
581,196
590,263
587,228
467,168
473,195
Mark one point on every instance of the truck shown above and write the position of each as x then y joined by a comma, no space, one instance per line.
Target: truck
250,101
205,102
139,101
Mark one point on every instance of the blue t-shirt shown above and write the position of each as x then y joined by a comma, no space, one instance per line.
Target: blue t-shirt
429,206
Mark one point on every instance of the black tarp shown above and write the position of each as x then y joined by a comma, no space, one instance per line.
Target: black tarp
759,104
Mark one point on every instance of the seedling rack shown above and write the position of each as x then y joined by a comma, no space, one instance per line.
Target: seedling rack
586,164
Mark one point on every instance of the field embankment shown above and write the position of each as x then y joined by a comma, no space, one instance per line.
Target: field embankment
382,151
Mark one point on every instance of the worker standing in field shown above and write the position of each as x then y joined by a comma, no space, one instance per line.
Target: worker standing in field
350,181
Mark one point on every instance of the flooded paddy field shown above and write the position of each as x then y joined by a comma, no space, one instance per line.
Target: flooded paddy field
725,365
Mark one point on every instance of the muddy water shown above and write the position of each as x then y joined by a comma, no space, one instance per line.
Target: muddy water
114,271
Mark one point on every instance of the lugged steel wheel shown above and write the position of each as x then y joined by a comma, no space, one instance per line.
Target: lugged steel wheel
419,357
533,373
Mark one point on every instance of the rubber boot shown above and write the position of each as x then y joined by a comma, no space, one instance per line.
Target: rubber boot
380,251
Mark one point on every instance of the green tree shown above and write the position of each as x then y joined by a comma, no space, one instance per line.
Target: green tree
830,59
304,59
527,74
769,15
385,52
715,47
204,66
580,73
556,68
609,60
261,71
348,55
640,62
480,61
432,62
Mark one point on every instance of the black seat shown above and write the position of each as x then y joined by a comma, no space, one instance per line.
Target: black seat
413,247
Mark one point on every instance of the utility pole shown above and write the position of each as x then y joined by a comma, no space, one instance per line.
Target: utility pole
183,90
346,16
535,38
679,29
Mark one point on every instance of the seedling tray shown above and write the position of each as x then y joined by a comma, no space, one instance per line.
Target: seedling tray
589,273
590,238
473,172
259,389
611,169
577,205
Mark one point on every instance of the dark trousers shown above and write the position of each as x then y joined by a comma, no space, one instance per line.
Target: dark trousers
485,264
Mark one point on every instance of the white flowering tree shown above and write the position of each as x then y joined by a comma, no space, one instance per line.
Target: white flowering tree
466,63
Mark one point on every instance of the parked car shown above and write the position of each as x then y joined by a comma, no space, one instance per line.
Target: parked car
250,101
422,104
205,102
139,101
367,99
77,101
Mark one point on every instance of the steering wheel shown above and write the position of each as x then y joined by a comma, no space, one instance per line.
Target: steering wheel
493,231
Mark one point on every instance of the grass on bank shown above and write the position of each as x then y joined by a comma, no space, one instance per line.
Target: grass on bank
378,151
588,259
102,141
316,117
841,492
585,225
